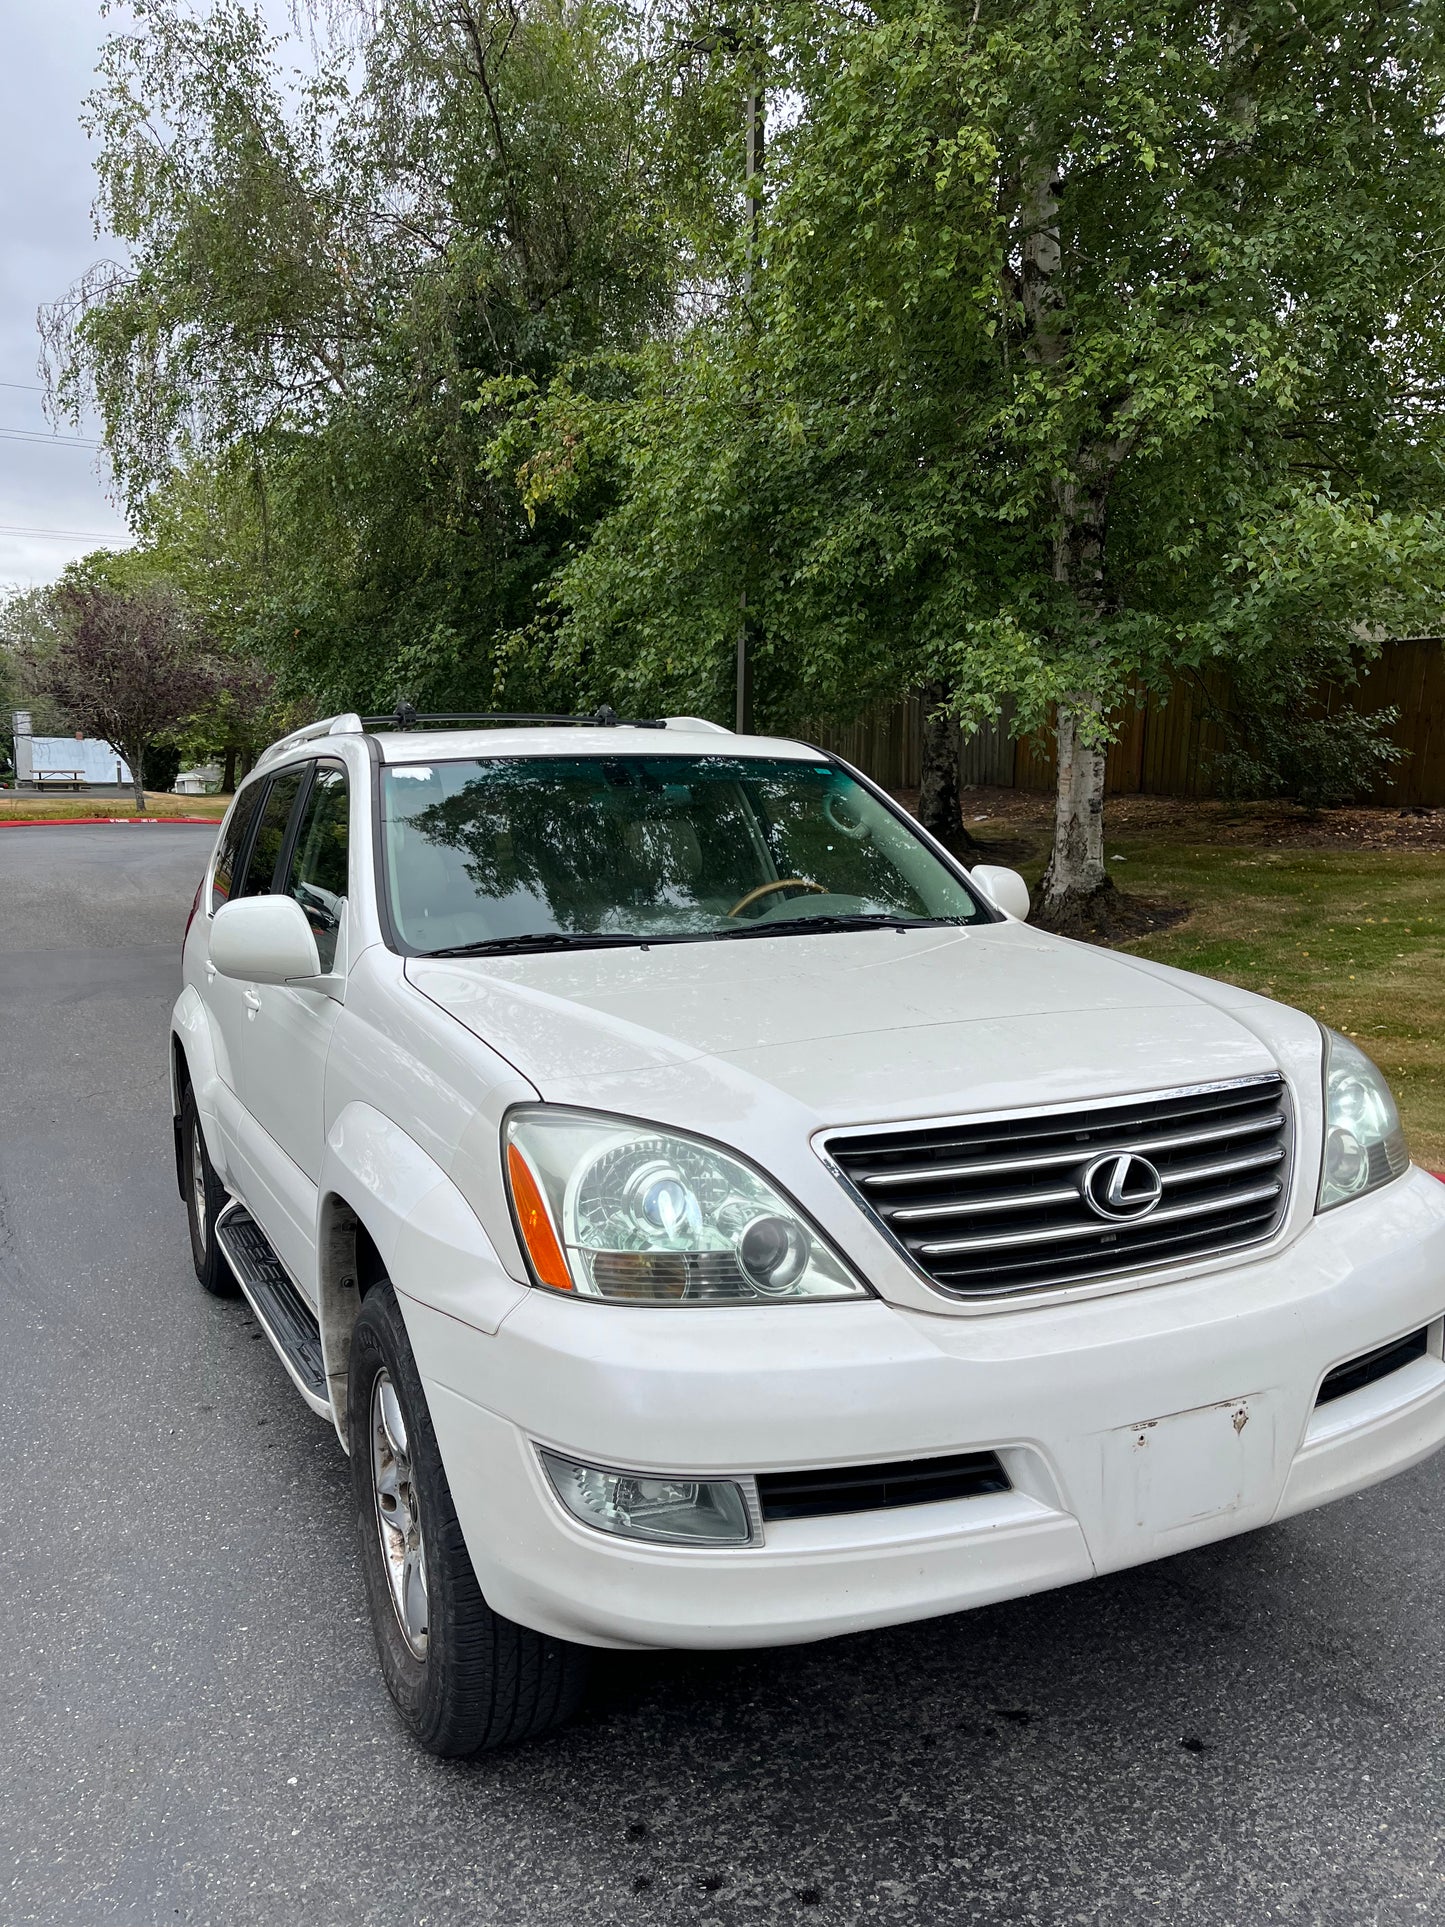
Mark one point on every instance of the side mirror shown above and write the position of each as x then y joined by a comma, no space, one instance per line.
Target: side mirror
264,940
1005,888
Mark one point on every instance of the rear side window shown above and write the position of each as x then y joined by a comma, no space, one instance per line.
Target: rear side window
318,874
233,845
271,833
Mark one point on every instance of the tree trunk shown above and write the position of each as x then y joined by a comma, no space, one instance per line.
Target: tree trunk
940,801
1076,896
228,771
135,756
1076,892
1076,879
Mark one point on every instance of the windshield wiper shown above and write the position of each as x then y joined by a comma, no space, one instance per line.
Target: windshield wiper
853,920
535,940
546,940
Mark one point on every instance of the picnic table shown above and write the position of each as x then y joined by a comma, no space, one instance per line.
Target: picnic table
71,778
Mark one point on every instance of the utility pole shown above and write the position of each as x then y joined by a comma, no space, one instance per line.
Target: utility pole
754,110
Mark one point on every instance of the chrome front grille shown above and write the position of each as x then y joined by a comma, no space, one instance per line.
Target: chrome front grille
998,1205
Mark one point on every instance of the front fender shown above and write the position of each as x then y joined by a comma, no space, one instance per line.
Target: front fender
191,1029
435,1250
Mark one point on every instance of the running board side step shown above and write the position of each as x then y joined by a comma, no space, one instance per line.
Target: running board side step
287,1320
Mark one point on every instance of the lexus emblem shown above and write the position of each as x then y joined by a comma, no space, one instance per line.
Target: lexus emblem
1122,1187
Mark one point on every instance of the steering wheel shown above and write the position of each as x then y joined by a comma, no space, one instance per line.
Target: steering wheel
855,830
779,883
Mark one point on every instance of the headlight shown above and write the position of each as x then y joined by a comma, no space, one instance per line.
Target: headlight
1364,1145
611,1208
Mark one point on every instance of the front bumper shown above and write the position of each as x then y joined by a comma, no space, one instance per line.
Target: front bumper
1131,1427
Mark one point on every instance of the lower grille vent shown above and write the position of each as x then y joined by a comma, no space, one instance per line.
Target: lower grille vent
994,1205
878,1488
1365,1370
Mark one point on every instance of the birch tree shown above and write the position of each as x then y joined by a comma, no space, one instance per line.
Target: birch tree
1087,342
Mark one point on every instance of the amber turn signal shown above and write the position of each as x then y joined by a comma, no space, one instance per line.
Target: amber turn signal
534,1221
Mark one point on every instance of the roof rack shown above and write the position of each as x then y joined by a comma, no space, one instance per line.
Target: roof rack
405,717
347,724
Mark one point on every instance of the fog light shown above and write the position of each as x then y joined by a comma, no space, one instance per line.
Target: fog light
640,1505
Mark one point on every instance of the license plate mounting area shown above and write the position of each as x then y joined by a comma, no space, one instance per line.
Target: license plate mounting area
1187,1477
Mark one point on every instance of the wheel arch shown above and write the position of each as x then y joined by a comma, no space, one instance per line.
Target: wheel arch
387,1210
191,1065
180,1084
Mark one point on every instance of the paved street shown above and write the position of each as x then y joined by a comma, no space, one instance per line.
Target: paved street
195,1730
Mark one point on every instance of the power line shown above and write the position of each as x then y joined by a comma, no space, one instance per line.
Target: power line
49,441
69,535
30,387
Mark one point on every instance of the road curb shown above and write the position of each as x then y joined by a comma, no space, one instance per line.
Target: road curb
71,822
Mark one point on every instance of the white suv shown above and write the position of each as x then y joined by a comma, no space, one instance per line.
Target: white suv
711,1217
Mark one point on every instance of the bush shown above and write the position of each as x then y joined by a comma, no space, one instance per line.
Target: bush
1280,742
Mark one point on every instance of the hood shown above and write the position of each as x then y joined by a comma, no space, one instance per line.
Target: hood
853,1025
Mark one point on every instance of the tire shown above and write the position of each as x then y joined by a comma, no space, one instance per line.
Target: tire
464,1679
205,1199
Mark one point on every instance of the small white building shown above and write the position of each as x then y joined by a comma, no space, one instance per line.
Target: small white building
59,759
204,781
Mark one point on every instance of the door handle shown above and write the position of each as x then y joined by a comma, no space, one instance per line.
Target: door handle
251,1001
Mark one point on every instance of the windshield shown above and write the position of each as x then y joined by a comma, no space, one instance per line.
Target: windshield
558,849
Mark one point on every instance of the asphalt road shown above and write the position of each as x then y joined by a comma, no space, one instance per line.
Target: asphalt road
194,1730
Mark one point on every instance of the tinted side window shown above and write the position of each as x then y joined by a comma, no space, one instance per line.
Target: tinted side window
233,843
270,833
318,865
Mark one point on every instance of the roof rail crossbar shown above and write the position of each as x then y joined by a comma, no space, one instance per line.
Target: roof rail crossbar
405,717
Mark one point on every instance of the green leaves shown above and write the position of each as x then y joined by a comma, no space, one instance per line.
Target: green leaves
1190,434
1078,340
326,271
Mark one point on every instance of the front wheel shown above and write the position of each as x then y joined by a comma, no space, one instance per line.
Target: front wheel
205,1200
464,1679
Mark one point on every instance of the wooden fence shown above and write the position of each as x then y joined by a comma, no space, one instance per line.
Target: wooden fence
1166,746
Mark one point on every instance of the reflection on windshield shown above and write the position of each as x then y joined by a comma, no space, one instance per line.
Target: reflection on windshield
651,847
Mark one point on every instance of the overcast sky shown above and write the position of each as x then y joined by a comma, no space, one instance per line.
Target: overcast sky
55,503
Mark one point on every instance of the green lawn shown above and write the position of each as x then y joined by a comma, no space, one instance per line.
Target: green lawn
1356,937
73,805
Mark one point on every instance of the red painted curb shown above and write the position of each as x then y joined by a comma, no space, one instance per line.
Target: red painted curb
69,822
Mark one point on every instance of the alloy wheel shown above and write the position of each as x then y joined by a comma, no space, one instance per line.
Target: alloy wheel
398,1517
199,1206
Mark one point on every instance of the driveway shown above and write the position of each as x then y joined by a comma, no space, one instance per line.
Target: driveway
195,1730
